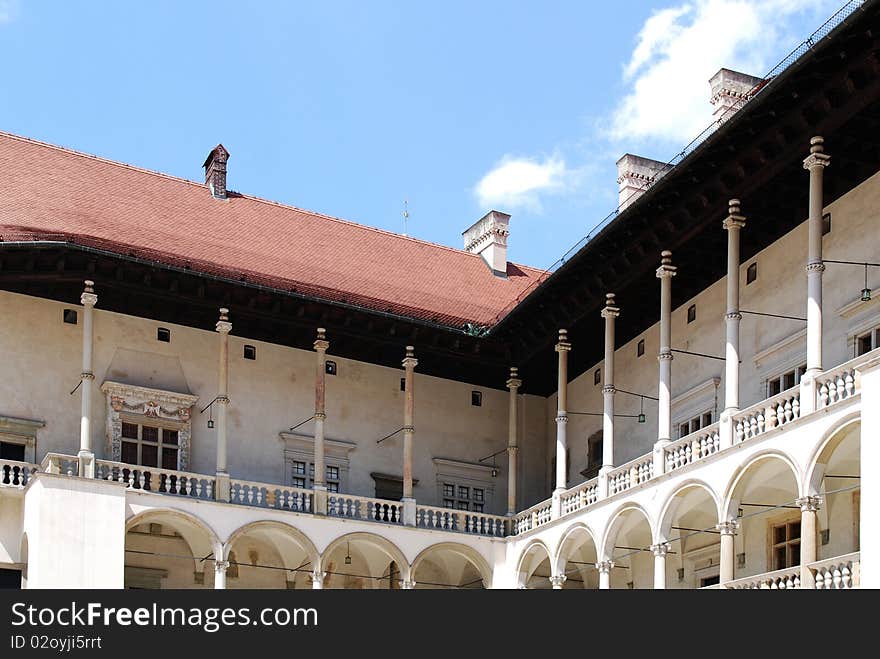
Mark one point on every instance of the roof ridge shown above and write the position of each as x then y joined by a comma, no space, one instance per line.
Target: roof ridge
262,200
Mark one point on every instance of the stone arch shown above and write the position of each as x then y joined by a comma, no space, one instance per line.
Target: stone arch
815,471
727,509
526,564
577,537
360,539
468,553
669,507
614,523
291,545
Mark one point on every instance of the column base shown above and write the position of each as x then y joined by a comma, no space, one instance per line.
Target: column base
556,503
602,484
409,511
319,502
660,455
808,390
222,486
86,463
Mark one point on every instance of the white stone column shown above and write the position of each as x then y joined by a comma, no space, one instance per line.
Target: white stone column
409,508
728,552
221,489
220,568
320,488
407,584
660,550
816,163
318,580
869,455
87,378
562,349
809,550
665,273
732,224
557,580
513,384
604,568
610,314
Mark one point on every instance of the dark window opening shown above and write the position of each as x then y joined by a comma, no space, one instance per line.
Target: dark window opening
597,376
330,367
403,384
477,398
692,313
640,348
163,334
11,451
250,352
69,316
826,223
751,273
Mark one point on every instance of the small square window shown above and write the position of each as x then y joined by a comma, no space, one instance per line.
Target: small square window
462,505
69,316
640,348
478,507
751,273
299,482
478,494
330,367
299,468
250,352
333,473
464,492
597,376
163,334
477,398
692,313
448,490
403,384
826,223
448,503
707,419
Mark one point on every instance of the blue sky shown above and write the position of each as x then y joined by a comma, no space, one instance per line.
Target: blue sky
348,108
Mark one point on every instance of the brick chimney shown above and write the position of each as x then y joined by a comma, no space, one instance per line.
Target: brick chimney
635,175
488,238
215,171
729,92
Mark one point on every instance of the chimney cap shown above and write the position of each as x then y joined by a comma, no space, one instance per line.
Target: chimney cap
219,152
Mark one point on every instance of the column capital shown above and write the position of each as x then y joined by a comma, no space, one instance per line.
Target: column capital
86,375
223,325
557,580
561,418
666,268
514,382
563,345
321,343
320,416
663,356
611,310
728,528
222,400
318,576
513,449
88,297
660,549
733,315
221,566
407,584
410,360
817,266
817,157
734,220
604,567
608,389
809,503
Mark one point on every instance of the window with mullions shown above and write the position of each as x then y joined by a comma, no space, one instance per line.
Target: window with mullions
786,545
299,479
867,342
693,425
779,383
149,446
463,497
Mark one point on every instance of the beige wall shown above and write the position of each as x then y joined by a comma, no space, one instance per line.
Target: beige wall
781,288
43,357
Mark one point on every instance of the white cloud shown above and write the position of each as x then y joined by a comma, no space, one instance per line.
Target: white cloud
679,48
8,11
515,183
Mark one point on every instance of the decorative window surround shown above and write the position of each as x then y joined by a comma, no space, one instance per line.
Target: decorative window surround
299,447
141,405
470,474
14,430
784,354
862,316
695,401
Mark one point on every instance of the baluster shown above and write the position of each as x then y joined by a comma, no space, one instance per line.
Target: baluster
753,426
823,394
760,419
846,575
796,408
787,410
836,577
849,384
841,387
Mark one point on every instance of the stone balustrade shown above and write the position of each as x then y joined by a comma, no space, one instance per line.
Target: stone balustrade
840,573
691,448
773,412
837,384
447,519
364,508
787,579
16,474
583,495
632,473
153,479
265,495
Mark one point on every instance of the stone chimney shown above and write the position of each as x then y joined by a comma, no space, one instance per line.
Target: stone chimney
635,175
215,171
488,238
730,91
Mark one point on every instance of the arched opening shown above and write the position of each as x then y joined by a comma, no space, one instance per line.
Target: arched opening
167,549
270,555
363,561
762,499
451,566
534,569
688,523
628,545
577,558
835,475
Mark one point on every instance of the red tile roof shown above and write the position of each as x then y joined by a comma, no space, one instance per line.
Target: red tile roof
51,193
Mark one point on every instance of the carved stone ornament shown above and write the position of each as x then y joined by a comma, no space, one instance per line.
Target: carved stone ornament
130,400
